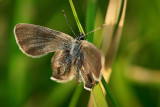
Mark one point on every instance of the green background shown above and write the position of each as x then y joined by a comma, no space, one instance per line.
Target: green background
25,81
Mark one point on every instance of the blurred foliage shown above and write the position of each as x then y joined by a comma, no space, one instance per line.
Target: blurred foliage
25,81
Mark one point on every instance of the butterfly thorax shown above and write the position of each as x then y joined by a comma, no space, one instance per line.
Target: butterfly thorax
75,50
76,46
77,56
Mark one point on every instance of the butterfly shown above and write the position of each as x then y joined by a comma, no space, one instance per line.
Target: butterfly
73,57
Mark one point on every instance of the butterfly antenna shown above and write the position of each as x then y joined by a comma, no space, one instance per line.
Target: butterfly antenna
95,29
68,22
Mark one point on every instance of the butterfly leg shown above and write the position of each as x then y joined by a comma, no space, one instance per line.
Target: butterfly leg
77,75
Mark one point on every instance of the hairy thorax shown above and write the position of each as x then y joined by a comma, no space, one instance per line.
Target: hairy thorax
77,58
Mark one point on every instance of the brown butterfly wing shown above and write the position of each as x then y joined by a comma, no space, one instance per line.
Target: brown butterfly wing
62,66
35,40
91,65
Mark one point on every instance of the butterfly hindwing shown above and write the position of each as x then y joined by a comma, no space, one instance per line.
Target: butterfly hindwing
35,40
62,66
91,66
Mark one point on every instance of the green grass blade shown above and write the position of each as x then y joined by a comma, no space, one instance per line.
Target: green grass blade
98,97
108,91
90,18
76,17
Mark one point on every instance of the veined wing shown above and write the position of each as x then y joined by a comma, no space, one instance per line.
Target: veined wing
62,66
91,66
35,40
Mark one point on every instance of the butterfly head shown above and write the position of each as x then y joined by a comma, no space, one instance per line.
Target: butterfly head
80,37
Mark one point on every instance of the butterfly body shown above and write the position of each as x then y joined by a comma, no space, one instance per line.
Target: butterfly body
73,57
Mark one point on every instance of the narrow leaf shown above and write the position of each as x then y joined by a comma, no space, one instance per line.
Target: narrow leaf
76,17
98,97
108,91
90,18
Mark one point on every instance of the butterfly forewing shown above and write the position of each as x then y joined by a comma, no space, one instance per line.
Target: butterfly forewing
35,40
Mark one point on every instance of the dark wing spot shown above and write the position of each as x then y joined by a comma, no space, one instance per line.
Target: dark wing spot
89,78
